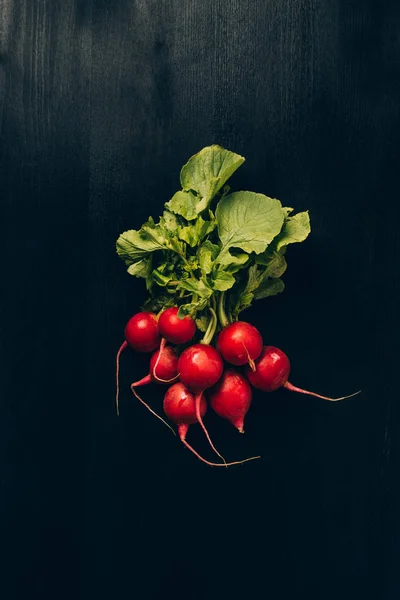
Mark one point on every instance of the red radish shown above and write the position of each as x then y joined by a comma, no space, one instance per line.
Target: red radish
167,372
200,366
174,329
141,334
231,398
272,372
240,343
180,408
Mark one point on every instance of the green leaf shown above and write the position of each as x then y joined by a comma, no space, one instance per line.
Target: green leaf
222,281
160,278
192,307
269,287
169,221
184,204
248,221
231,263
194,234
189,235
257,286
196,286
156,303
134,245
287,210
207,171
274,262
295,229
207,253
253,279
140,268
202,323
246,300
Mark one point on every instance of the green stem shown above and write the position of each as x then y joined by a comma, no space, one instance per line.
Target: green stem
223,319
212,326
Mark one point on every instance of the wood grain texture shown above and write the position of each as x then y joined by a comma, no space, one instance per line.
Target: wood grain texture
100,105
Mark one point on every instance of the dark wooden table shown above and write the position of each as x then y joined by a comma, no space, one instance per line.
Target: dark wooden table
101,104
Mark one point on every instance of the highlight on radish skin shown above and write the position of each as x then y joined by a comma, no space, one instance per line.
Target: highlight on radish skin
240,343
272,372
200,366
231,398
180,408
141,334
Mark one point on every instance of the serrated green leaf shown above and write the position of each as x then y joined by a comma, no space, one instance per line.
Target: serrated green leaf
207,171
222,281
248,221
295,229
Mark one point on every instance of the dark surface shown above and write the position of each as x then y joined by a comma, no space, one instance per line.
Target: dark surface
101,103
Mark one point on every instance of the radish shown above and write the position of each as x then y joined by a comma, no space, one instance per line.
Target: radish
200,366
240,343
173,329
272,372
167,372
180,406
231,398
141,334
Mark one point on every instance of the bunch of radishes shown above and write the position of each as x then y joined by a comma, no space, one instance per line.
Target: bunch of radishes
201,368
203,265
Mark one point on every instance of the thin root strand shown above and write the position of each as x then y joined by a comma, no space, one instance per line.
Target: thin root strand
211,464
293,388
160,351
200,420
150,409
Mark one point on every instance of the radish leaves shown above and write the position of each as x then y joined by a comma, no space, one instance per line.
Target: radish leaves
210,242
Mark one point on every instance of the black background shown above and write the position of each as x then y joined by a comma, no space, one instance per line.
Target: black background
101,103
